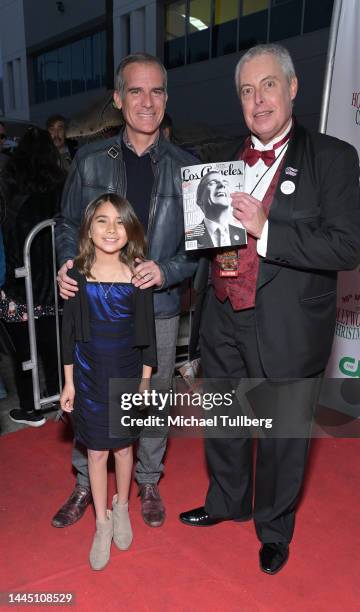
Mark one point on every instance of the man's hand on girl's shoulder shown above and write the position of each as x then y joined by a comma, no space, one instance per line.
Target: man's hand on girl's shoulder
67,285
147,274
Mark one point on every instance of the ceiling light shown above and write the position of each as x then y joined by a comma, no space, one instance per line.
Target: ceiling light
197,23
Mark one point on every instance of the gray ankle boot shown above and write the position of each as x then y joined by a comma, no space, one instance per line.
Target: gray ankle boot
123,534
100,549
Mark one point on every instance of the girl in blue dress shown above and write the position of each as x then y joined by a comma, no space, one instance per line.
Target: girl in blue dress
108,333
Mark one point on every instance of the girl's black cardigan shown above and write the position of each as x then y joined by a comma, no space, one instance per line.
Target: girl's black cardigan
76,322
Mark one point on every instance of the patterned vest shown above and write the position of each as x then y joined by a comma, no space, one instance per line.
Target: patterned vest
241,289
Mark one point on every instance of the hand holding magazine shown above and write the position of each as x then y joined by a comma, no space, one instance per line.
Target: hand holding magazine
208,218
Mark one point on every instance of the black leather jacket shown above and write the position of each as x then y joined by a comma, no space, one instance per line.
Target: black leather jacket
99,168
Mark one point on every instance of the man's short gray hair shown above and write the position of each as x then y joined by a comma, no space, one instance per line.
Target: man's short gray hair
278,51
137,58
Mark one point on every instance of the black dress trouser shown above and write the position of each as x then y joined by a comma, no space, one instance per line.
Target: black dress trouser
229,350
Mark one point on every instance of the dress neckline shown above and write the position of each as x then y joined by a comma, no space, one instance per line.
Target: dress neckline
108,282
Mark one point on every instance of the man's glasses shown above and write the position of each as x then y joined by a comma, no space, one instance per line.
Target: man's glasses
3,136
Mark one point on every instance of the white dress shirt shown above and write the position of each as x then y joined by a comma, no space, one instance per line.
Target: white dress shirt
214,228
253,174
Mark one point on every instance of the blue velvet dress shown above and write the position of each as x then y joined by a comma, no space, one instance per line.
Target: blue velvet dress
110,353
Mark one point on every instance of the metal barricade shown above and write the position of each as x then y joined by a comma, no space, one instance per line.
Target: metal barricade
25,272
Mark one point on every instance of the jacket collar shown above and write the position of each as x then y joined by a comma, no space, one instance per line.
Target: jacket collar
156,150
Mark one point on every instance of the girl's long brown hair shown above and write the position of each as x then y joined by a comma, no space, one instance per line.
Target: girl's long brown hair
135,247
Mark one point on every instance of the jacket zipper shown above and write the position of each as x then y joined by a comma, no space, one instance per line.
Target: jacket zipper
152,203
121,179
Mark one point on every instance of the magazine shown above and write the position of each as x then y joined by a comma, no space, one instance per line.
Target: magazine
208,218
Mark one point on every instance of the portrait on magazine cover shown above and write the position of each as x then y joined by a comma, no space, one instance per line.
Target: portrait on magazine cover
208,218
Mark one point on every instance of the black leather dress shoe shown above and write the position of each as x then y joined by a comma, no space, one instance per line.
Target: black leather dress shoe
198,517
273,557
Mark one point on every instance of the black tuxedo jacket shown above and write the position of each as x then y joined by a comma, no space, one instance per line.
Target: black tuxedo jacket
314,232
204,239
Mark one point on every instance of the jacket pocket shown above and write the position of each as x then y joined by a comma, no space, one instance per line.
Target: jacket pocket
306,213
316,298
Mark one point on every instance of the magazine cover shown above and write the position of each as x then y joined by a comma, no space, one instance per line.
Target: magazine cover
208,218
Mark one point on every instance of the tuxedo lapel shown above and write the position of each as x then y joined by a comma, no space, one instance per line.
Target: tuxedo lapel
284,201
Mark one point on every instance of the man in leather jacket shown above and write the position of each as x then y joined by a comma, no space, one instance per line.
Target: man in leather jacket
145,168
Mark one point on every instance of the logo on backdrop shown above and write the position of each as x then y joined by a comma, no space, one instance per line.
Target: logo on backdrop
355,102
348,317
348,328
350,366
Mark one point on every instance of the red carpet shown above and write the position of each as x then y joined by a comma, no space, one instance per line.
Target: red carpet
178,568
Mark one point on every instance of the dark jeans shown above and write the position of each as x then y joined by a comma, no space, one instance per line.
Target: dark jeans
46,346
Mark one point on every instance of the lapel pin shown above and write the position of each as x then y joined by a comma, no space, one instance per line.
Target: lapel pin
287,187
289,171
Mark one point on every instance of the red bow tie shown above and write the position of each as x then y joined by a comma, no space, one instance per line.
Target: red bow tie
251,155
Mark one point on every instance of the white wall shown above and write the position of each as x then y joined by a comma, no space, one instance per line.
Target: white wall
135,27
14,61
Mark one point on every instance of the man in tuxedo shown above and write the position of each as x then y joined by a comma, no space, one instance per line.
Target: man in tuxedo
213,197
275,319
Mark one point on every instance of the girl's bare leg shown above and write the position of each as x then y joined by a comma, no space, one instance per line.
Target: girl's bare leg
98,481
123,469
123,534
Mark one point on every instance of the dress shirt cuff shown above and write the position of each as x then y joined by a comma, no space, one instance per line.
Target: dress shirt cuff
261,245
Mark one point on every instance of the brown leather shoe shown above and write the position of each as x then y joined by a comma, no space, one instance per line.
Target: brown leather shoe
152,507
74,507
